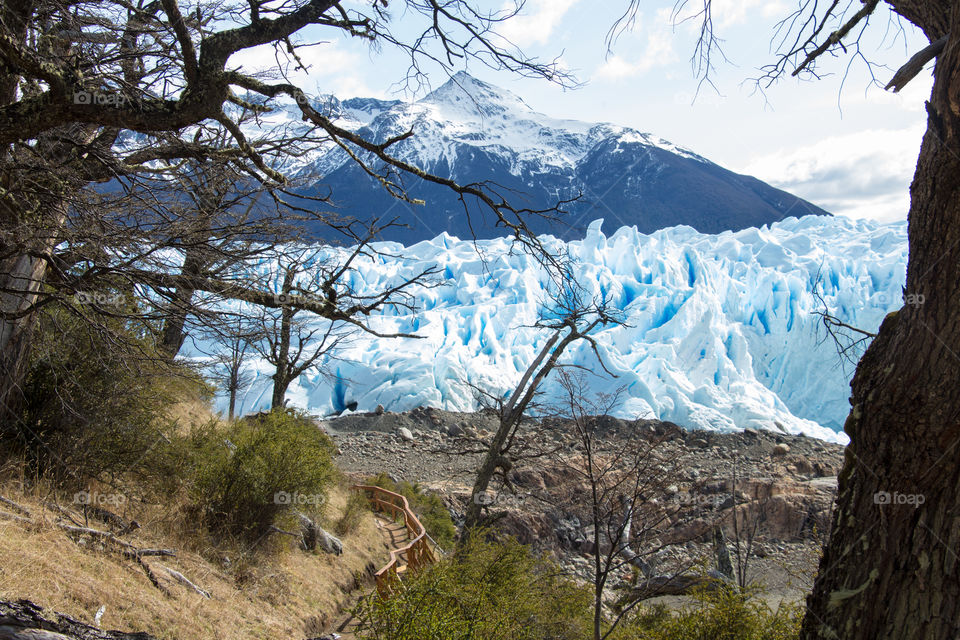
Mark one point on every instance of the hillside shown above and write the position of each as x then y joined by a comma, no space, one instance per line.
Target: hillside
474,132
274,593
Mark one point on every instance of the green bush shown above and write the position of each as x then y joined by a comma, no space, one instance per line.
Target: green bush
356,508
259,470
94,401
429,507
487,591
724,614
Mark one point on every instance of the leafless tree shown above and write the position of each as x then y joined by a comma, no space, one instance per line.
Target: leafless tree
571,317
290,343
108,92
904,423
227,368
624,479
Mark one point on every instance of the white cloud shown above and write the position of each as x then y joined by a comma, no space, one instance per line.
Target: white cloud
615,68
862,175
730,12
329,68
658,52
536,23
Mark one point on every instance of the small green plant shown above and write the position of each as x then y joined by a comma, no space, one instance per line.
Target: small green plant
259,470
357,506
95,400
486,591
722,614
429,507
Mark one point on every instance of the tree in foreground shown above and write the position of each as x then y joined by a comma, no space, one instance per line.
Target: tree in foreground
623,490
892,566
105,91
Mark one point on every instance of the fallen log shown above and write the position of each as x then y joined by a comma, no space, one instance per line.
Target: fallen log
182,579
24,620
16,507
12,516
678,585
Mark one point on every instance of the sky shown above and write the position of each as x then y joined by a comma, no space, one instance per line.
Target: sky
841,142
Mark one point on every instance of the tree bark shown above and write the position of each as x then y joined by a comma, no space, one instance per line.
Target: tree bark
890,570
173,333
282,377
21,276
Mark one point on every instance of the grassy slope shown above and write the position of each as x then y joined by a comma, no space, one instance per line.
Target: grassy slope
286,593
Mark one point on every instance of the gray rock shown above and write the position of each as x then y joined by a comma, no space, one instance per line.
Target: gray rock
781,449
328,542
405,433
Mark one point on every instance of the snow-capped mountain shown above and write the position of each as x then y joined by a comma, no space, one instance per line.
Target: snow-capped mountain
720,329
472,131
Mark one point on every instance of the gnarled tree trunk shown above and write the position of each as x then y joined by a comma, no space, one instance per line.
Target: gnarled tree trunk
173,333
891,569
22,274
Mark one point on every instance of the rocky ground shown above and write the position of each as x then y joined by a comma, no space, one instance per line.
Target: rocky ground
777,488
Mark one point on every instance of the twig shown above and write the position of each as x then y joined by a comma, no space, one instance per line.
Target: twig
16,507
182,579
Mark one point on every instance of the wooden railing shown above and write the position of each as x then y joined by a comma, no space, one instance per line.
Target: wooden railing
411,557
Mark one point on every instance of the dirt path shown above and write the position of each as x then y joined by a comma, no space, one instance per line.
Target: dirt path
394,536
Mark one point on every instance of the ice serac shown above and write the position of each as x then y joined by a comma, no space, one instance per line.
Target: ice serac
720,328
473,132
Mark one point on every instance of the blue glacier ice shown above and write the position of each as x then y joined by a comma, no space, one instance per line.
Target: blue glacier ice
720,330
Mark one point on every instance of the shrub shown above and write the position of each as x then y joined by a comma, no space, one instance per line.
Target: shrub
248,477
724,614
94,401
357,506
429,507
488,590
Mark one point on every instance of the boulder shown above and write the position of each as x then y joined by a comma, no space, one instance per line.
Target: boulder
329,542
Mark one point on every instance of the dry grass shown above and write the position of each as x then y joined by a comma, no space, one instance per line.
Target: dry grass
275,592
190,411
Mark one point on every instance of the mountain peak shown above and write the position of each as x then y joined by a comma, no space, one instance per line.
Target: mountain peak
467,94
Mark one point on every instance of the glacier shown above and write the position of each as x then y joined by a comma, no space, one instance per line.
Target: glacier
720,329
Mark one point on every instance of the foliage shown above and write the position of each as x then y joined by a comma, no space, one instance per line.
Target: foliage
724,614
488,590
429,507
95,400
262,468
356,508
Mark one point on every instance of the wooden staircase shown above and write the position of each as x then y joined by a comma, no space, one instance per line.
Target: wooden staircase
403,535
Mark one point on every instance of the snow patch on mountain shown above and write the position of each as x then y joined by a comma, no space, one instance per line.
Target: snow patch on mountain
464,111
720,329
